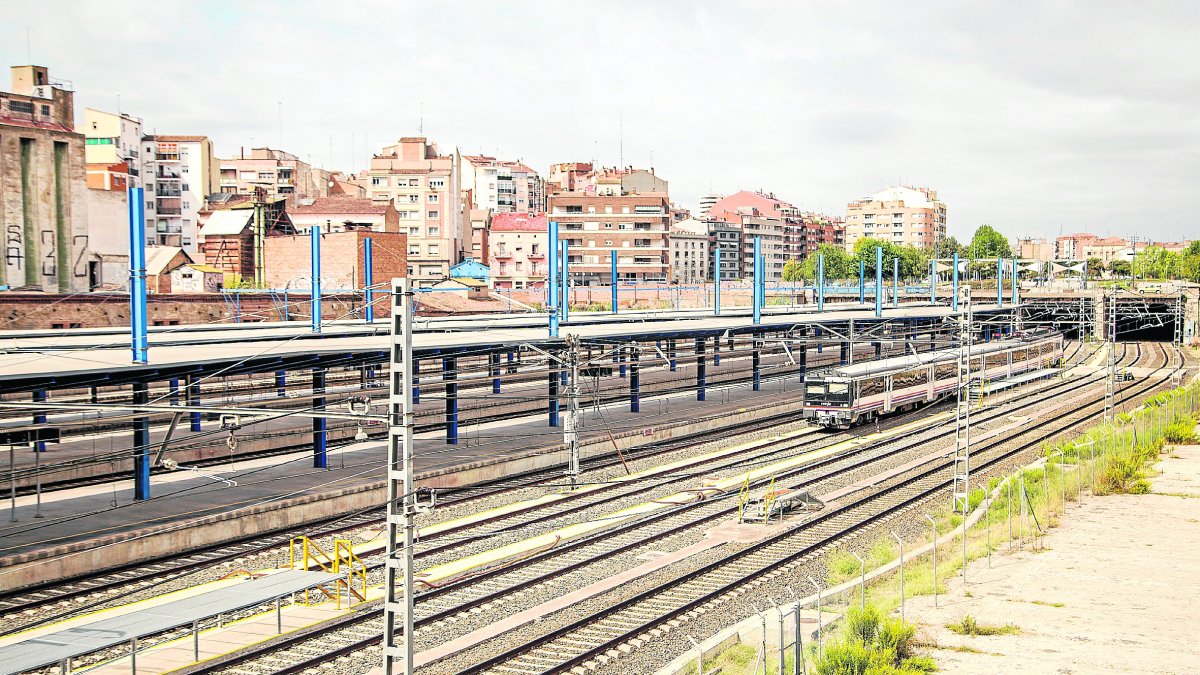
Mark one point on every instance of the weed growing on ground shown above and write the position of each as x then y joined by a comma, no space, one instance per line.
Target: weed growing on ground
969,626
1047,604
870,642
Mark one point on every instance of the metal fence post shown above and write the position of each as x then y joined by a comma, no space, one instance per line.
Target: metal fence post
935,542
820,633
987,519
1062,477
862,581
901,542
798,665
196,640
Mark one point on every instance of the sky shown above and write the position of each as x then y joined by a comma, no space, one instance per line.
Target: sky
1038,118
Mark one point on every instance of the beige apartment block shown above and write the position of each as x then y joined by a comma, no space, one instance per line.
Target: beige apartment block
279,172
424,185
636,226
905,215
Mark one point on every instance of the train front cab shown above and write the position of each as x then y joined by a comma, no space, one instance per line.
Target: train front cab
827,402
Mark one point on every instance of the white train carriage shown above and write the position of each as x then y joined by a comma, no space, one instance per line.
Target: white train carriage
846,395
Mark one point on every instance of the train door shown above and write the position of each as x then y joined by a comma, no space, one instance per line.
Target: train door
887,397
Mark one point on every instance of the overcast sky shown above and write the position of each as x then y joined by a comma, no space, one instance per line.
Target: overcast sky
1034,117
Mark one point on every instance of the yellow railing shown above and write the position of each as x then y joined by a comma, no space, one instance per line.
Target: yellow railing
312,555
768,501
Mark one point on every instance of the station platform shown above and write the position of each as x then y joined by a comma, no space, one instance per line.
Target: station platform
95,527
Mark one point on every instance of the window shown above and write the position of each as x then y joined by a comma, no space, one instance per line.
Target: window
184,187
414,249
437,183
378,181
414,231
608,209
434,249
432,215
414,182
20,107
573,209
414,199
433,199
186,205
266,175
434,231
520,266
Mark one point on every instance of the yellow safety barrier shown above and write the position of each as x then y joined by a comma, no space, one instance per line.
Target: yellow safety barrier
743,499
768,501
343,552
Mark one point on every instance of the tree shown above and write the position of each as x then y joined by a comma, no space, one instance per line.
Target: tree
988,244
838,263
913,261
1189,262
1094,267
1156,262
792,271
1120,268
946,247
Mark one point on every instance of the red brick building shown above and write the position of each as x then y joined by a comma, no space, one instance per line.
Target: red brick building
289,260
634,225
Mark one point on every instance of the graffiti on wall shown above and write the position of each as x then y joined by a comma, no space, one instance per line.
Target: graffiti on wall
49,258
14,246
79,243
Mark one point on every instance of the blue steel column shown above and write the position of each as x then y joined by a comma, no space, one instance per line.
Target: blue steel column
820,345
193,399
862,282
315,267
803,354
716,351
700,363
416,381
39,417
137,275
717,280
878,281
319,424
141,445
512,364
615,300
820,282
368,281
1000,282
552,290
494,371
281,383
758,273
954,288
895,282
565,305
671,353
756,363
552,393
1014,281
635,380
173,385
933,281
450,377
621,354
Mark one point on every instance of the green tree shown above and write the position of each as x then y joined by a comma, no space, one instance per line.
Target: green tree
988,244
1156,262
913,261
792,271
838,263
1094,267
1120,268
1189,262
946,247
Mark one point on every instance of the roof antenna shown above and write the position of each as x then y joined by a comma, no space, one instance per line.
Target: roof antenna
621,136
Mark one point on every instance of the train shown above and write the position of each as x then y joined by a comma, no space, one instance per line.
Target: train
844,396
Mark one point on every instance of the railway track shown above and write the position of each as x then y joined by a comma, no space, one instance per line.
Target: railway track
438,605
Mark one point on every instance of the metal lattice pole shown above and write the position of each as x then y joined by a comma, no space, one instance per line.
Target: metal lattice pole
401,498
1110,386
571,428
961,492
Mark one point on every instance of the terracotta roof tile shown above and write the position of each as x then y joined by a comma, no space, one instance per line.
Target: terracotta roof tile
338,205
519,222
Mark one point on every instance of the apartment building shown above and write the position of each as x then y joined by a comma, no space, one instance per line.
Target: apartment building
43,185
279,172
568,176
691,262
1070,246
706,204
784,231
112,150
179,173
905,215
502,186
635,225
425,187
1035,249
517,245
728,238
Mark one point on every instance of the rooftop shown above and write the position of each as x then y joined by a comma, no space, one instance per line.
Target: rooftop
339,205
519,222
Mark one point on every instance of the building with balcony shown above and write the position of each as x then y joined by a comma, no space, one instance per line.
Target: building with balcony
691,261
911,216
785,232
424,185
279,172
179,173
517,244
502,186
112,150
635,225
43,174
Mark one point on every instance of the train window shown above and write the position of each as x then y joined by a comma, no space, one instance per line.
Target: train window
814,391
910,378
839,392
946,371
994,360
872,386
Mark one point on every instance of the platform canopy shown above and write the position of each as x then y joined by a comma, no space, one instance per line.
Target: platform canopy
53,648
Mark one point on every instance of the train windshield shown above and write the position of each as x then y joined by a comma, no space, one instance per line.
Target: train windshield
827,393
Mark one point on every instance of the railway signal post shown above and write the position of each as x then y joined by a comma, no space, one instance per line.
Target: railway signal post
401,495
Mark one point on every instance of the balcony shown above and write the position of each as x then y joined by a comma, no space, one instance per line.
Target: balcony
167,193
170,211
166,175
502,254
166,156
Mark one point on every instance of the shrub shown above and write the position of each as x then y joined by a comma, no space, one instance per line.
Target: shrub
872,644
969,626
1180,432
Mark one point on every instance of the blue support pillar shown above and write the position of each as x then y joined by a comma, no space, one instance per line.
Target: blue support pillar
193,399
716,351
173,386
315,269
635,380
954,287
368,282
844,354
39,417
141,445
820,345
281,383
717,280
700,364
450,377
1014,282
552,288
494,371
820,282
512,363
621,355
671,354
552,393
1000,282
616,301
758,274
803,355
320,434
139,340
416,381
895,282
565,305
756,364
862,282
878,281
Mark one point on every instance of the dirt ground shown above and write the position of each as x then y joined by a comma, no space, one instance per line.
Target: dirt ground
1116,590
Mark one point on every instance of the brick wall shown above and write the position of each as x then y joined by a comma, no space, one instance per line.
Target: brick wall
288,260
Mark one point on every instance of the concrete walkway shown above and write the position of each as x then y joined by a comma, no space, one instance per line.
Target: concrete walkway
1114,592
